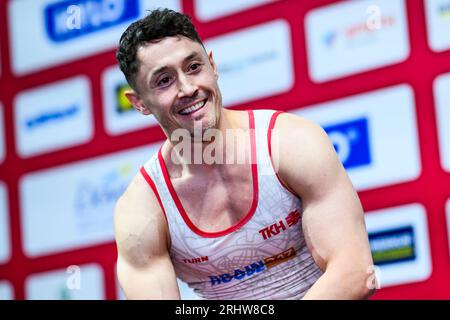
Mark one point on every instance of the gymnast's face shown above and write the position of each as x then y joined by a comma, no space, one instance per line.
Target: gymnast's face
177,83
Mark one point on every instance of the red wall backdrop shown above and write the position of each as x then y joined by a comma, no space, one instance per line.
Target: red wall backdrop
431,188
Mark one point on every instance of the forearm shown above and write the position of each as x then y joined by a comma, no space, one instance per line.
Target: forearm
335,284
155,282
149,287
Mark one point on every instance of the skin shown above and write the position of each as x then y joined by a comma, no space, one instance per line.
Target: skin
189,75
333,220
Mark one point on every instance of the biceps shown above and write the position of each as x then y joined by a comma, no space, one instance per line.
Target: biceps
334,226
157,281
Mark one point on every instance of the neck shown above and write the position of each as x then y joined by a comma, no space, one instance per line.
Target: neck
214,149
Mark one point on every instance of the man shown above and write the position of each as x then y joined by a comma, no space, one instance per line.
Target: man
285,223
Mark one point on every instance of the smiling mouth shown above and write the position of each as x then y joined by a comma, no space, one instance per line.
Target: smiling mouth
193,108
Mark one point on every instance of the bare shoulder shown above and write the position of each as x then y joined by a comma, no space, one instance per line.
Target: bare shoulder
303,152
238,117
294,128
139,223
138,194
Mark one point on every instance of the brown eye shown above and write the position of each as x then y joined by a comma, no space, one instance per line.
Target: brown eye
194,66
164,81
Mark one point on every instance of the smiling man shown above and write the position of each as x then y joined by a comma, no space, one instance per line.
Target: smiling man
284,223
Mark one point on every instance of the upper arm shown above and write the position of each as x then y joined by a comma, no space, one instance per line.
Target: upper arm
144,267
333,218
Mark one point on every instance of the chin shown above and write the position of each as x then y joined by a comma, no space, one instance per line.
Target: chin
206,124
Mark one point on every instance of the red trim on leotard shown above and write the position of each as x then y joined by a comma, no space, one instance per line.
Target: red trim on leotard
155,191
252,210
273,119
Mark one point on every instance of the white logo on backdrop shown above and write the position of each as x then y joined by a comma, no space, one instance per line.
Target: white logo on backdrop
73,283
5,247
119,115
355,36
399,239
375,134
6,291
438,24
53,116
72,206
207,10
442,103
51,32
268,62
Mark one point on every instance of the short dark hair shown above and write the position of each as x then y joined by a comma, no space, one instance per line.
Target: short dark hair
156,25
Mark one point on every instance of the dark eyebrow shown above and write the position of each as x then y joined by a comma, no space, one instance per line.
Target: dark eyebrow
191,56
158,71
164,68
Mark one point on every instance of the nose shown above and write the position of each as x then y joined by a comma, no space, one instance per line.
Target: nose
186,87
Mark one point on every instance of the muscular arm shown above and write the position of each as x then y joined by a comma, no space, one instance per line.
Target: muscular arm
333,219
144,268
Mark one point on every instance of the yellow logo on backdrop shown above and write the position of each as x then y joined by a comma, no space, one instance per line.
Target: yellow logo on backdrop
123,105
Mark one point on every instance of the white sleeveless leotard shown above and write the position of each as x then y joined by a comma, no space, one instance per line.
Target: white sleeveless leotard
263,256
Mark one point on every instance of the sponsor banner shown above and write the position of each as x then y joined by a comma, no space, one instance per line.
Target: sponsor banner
119,115
72,283
355,36
254,268
399,243
5,250
59,31
207,10
374,134
54,116
438,24
281,226
442,101
268,61
2,136
6,291
272,261
72,206
395,245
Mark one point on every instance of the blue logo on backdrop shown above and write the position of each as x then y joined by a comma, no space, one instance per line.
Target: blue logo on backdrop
392,246
330,38
51,116
75,18
351,141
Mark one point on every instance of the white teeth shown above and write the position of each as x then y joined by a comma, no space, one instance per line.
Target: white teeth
195,107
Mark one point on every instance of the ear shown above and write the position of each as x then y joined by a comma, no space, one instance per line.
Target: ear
213,64
137,102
